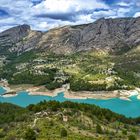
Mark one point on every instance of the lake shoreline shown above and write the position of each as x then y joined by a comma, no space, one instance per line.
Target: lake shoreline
41,90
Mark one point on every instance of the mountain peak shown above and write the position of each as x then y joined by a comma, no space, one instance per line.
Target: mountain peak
18,28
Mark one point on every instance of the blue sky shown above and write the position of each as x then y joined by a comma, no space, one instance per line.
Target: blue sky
47,14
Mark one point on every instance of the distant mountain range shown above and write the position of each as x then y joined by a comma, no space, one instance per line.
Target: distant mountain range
112,35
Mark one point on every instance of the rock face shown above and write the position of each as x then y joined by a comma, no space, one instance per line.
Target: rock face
113,35
18,39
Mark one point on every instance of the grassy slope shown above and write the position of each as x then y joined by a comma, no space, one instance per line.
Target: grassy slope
128,66
81,124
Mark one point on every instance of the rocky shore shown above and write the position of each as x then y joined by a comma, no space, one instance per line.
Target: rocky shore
41,90
9,94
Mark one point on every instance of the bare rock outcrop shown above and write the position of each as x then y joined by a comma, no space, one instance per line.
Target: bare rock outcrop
113,35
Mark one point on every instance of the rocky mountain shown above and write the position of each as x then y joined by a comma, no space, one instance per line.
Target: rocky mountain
18,39
113,35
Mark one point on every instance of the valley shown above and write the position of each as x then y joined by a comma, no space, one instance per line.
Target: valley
69,70
83,71
100,56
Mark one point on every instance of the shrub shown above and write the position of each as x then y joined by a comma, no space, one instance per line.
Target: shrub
64,132
132,137
99,129
124,132
30,134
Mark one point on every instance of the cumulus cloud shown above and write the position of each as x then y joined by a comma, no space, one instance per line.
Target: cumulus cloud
125,4
137,14
68,10
67,6
121,12
46,14
104,13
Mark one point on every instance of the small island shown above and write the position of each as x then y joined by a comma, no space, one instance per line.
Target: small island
9,94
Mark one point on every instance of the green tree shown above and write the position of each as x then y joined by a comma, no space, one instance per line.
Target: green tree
64,132
30,134
99,129
124,132
132,137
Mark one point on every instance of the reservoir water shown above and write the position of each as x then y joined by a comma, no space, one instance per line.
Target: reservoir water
127,108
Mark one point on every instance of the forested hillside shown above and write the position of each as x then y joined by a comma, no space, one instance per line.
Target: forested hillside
57,121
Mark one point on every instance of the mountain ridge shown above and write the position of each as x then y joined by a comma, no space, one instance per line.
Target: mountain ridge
113,35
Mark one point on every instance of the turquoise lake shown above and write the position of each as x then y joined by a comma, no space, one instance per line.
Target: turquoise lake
127,108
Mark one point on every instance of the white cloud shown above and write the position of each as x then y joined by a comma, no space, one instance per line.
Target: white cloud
60,12
86,18
108,13
67,6
137,14
124,4
23,11
121,12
